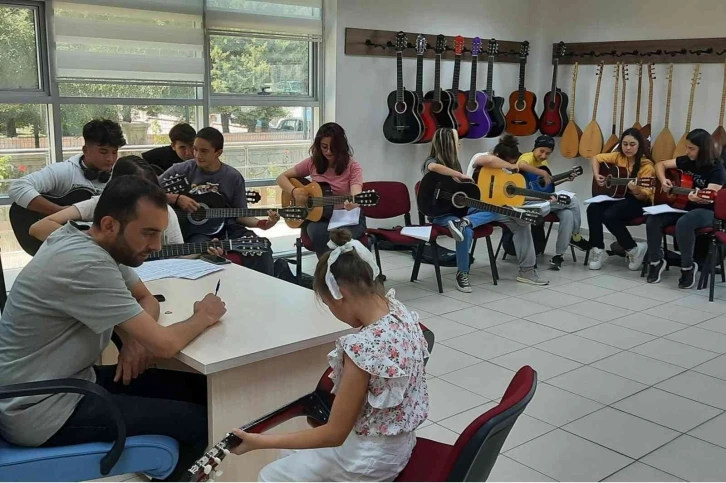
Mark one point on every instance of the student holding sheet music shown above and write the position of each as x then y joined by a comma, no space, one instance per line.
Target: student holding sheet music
707,172
614,215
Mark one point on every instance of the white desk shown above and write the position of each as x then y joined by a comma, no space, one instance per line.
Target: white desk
267,350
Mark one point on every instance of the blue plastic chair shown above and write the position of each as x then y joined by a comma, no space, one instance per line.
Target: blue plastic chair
155,456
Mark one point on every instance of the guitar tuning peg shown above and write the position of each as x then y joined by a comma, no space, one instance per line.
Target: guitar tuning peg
225,451
207,469
217,460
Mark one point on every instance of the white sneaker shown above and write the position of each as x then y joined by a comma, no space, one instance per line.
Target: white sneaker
636,256
597,258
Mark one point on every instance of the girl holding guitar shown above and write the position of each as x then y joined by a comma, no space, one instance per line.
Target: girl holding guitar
703,170
331,161
569,216
616,214
379,382
444,159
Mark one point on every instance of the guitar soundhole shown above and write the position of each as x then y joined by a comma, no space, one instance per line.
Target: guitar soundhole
551,106
509,189
520,106
490,104
472,106
437,106
199,216
400,107
457,199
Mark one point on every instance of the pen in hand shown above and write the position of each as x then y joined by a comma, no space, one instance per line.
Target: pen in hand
216,291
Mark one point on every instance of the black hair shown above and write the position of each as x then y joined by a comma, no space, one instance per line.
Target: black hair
507,148
212,136
103,132
707,156
338,145
634,133
182,132
121,196
133,165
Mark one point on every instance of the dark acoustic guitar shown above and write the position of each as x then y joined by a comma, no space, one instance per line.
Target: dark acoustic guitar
683,185
494,103
617,180
402,125
247,246
458,107
22,218
440,195
521,118
428,121
554,115
442,100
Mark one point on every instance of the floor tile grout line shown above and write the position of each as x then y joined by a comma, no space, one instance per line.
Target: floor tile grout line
646,464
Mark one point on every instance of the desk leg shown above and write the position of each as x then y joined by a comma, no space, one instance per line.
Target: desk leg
240,395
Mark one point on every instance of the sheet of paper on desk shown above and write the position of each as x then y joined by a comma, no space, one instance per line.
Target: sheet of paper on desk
175,268
417,232
600,199
344,218
660,209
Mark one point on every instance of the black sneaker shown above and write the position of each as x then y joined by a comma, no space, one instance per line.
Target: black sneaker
456,227
462,282
581,243
557,262
688,277
655,271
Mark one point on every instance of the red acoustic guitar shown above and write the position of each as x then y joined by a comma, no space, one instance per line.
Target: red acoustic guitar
427,117
554,116
683,185
460,98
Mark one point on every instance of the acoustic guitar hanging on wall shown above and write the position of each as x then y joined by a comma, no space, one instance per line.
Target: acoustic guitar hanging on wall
554,116
591,140
402,125
521,118
476,104
664,144
428,121
613,139
681,146
570,144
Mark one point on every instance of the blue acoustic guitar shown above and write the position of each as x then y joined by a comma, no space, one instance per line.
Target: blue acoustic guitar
536,183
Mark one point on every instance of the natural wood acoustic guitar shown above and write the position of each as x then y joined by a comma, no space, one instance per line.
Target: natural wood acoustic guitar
570,144
664,144
681,146
591,140
500,187
613,139
321,201
719,135
617,179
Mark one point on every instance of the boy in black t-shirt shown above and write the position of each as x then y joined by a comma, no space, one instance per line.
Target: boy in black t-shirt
181,148
707,171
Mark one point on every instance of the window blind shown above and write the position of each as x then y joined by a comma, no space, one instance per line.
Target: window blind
129,40
293,17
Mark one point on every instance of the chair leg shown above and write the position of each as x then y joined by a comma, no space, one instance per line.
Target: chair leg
716,252
437,269
574,257
417,261
720,257
473,247
499,247
587,257
665,251
298,269
378,260
703,279
549,229
492,261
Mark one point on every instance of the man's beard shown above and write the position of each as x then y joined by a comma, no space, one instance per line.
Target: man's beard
122,252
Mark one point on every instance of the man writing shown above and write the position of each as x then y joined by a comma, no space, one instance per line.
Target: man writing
206,173
91,170
60,315
181,148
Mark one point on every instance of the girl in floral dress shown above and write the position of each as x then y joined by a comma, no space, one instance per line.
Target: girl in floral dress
378,375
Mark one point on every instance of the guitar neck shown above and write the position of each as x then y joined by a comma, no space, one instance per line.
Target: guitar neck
399,76
182,249
501,210
638,98
472,83
562,176
668,98
457,71
521,89
554,80
330,200
574,90
530,193
597,97
723,97
621,181
650,101
690,101
615,96
677,190
437,79
622,102
490,76
220,213
419,75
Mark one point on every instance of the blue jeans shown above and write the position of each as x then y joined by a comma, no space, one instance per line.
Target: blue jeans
476,219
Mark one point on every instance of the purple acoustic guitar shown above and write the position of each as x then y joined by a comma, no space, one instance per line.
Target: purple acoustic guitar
476,105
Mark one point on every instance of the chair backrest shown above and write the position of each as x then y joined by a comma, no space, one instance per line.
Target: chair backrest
719,209
394,200
477,448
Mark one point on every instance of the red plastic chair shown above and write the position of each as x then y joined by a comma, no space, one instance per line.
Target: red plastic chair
715,250
473,455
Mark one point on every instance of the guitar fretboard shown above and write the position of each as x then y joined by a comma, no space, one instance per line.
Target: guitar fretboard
521,89
480,205
211,213
682,191
513,190
399,76
457,71
437,79
330,200
554,84
490,76
419,75
472,84
559,177
182,249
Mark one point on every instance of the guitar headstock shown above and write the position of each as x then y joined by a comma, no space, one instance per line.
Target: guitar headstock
651,73
458,45
624,72
532,217
420,44
563,199
253,196
646,182
616,70
696,79
599,68
440,44
493,48
524,50
249,245
367,198
293,212
475,47
401,42
176,184
669,75
560,51
640,69
575,69
706,194
577,171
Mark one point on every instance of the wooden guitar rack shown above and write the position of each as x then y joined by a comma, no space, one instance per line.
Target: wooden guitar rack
381,43
677,51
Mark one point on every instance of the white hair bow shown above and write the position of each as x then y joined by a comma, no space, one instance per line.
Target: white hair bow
362,251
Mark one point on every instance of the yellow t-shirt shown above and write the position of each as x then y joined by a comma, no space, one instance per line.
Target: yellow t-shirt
531,160
647,169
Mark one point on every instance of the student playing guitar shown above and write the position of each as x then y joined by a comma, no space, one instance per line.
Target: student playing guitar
181,148
91,170
331,162
206,173
707,171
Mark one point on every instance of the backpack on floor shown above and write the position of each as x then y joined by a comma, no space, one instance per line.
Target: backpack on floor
447,258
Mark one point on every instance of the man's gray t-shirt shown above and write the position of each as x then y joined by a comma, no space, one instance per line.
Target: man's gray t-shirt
58,319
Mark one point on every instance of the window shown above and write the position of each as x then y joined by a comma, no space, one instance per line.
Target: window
24,144
20,68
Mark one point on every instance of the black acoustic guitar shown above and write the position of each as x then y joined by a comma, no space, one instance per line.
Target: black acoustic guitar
179,184
248,246
403,124
494,103
440,195
22,218
443,102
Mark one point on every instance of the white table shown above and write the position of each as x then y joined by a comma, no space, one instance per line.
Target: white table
267,350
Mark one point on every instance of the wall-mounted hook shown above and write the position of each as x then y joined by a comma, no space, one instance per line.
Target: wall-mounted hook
623,54
721,53
612,53
702,51
369,43
652,53
673,53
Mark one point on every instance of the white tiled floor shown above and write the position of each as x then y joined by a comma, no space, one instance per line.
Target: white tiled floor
632,377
